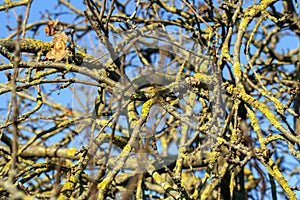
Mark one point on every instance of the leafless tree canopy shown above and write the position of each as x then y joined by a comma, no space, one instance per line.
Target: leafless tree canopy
149,99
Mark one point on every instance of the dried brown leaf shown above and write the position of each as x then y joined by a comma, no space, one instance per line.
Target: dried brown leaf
58,47
50,29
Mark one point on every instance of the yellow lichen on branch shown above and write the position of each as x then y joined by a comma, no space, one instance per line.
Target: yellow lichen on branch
249,14
146,107
68,188
274,171
11,4
251,101
106,181
28,45
252,11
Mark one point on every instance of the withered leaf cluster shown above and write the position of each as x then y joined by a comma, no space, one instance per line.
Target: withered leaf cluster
51,29
58,45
